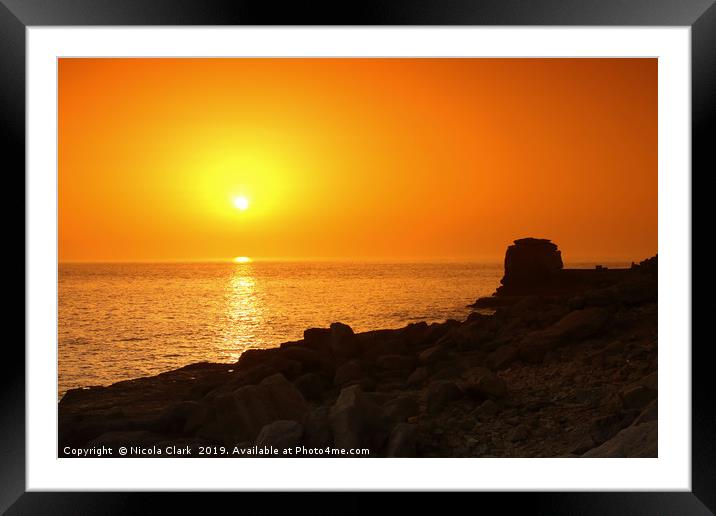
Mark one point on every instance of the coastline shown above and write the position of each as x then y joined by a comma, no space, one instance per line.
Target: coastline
564,374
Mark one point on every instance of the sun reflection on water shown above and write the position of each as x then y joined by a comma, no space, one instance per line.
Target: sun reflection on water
244,310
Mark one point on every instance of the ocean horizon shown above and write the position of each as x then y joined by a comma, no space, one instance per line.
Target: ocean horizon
118,321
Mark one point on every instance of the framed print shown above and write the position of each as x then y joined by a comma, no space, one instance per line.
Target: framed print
398,249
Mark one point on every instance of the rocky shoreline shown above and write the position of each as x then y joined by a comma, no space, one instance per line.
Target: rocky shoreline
566,374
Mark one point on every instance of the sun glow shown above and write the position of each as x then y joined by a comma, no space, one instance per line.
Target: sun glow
242,259
241,203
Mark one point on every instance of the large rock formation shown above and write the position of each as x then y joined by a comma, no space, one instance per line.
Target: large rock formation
529,264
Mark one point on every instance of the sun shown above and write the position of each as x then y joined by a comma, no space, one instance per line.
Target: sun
241,203
242,259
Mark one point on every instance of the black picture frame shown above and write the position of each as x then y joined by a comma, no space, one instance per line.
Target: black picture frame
17,15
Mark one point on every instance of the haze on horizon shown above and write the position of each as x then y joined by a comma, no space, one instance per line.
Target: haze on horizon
398,159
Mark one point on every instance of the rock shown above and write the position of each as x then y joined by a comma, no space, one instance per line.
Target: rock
487,409
483,383
268,358
650,381
577,325
440,393
605,427
285,399
375,344
357,422
650,413
401,408
403,441
254,357
317,431
415,334
502,357
449,371
519,433
311,385
343,341
477,317
638,291
236,417
313,335
289,368
471,336
432,354
584,445
494,301
281,434
437,331
309,358
603,356
318,339
418,377
637,397
396,362
182,417
634,441
350,372
529,262
252,375
239,416
580,324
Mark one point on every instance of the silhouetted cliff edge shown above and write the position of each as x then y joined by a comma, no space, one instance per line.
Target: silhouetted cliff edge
567,366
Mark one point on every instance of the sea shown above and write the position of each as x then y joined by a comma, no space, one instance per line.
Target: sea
122,321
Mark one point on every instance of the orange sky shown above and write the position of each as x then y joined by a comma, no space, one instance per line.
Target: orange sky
356,158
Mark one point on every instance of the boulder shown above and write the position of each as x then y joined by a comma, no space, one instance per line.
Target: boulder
375,344
470,336
418,377
252,375
357,421
181,417
415,334
350,372
502,357
317,431
343,341
401,408
605,427
313,335
269,358
650,413
239,416
318,339
519,433
403,441
396,362
578,325
483,383
254,357
307,357
635,441
440,393
487,409
289,368
637,397
311,385
529,263
284,398
280,434
432,354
